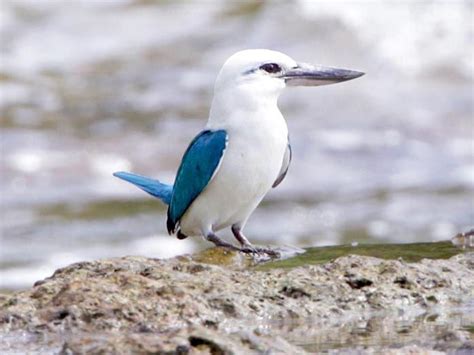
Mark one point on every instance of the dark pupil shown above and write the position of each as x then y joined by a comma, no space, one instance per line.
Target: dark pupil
271,68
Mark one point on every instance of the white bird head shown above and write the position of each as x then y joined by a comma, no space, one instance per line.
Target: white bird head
266,73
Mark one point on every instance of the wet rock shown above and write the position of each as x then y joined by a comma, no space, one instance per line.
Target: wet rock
181,305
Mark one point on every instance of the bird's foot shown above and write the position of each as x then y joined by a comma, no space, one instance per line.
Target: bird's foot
246,248
218,242
250,249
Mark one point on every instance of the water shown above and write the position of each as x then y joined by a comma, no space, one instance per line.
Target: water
447,330
443,331
91,87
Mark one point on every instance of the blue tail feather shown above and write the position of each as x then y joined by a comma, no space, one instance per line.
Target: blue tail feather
153,187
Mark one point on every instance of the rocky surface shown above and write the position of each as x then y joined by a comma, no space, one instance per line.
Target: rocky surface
189,305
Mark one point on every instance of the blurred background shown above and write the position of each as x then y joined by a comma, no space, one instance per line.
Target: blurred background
91,87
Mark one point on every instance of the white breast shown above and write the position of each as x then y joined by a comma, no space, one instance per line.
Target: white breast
251,163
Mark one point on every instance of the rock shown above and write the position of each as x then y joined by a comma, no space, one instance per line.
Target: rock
181,306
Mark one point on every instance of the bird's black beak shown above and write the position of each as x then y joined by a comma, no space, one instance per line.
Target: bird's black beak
309,75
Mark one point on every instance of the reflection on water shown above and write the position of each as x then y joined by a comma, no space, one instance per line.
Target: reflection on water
90,87
443,331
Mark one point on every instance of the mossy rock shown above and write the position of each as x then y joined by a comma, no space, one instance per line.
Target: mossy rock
412,252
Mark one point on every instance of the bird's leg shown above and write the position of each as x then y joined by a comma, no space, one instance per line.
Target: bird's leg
244,242
247,247
218,242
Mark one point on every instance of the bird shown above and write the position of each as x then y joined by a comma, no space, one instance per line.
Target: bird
243,151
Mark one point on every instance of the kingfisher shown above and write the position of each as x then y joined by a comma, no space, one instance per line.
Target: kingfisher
243,152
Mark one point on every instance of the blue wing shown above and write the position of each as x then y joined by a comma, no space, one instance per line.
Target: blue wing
153,187
198,166
284,166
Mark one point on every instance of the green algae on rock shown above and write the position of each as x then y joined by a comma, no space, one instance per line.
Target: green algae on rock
408,252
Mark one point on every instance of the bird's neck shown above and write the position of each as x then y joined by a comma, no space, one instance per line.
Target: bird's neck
240,107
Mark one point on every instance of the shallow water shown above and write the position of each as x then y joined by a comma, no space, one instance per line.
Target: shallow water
447,330
88,88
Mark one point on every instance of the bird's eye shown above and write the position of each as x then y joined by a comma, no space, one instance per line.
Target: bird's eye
271,68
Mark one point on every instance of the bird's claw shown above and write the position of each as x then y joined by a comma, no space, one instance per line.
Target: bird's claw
250,249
